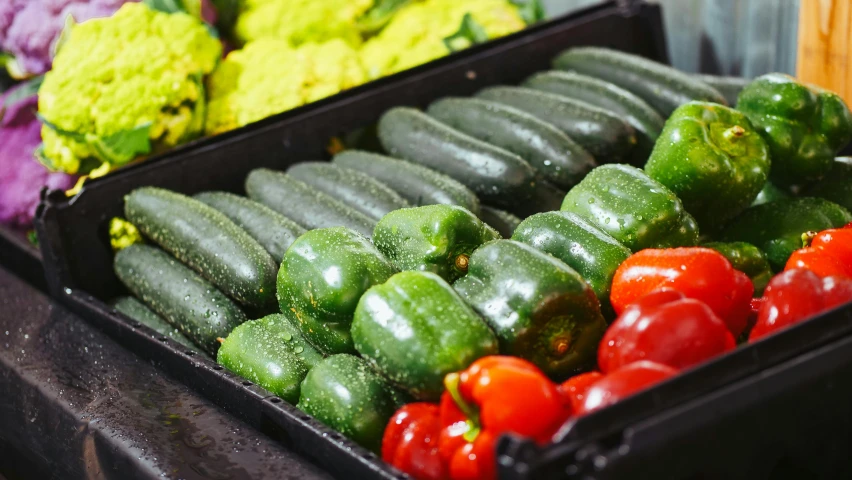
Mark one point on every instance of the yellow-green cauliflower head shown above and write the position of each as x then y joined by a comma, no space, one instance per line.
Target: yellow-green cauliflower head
268,77
415,35
301,21
123,85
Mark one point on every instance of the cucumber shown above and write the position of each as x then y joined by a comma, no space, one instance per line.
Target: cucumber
273,231
137,310
663,87
603,134
178,294
504,222
644,119
207,241
358,190
499,177
730,87
417,184
304,204
561,160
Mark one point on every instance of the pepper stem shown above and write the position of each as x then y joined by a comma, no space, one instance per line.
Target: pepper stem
451,382
462,261
807,238
734,132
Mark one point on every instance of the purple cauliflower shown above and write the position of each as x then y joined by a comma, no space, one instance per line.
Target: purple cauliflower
29,28
21,175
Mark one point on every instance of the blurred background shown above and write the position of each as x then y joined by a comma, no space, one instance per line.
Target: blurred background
727,37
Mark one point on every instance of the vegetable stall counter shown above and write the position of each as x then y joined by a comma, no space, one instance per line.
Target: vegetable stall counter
76,405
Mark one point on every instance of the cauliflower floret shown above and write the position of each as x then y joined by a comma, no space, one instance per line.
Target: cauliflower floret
123,82
268,77
415,35
301,21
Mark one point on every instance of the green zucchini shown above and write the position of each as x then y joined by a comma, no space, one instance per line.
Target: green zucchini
179,295
663,87
137,310
504,222
307,206
499,177
273,231
644,119
417,184
730,87
561,160
358,190
207,241
603,134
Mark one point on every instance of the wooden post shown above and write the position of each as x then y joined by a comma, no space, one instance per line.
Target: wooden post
825,45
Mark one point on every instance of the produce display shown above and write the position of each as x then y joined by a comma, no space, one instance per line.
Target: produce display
510,261
106,83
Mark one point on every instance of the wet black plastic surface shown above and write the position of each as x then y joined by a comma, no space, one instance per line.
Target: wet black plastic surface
74,404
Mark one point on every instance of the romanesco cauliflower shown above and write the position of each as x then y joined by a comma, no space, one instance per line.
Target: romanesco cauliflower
415,35
268,77
123,83
301,21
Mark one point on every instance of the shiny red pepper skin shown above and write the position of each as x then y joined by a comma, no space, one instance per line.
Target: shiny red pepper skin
410,441
575,388
495,395
624,382
667,328
829,254
795,295
697,272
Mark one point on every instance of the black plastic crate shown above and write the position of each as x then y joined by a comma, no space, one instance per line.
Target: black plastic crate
21,257
78,259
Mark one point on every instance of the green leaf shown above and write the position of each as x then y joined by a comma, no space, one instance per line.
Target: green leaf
32,237
77,137
531,11
469,33
43,159
122,147
379,15
26,89
167,6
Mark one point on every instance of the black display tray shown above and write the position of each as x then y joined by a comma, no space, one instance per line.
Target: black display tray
78,259
21,257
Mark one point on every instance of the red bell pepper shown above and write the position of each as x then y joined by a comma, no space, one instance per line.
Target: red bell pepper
667,328
624,382
795,295
495,395
827,253
410,441
575,388
697,272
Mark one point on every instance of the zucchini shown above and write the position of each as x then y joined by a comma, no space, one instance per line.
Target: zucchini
358,190
307,206
178,294
499,177
603,134
644,119
417,184
730,87
663,87
136,310
561,160
273,231
504,222
207,241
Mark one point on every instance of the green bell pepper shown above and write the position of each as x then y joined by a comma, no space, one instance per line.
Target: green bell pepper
634,209
415,329
770,193
432,238
748,259
836,185
777,227
344,393
712,158
322,276
593,253
540,309
270,352
804,125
